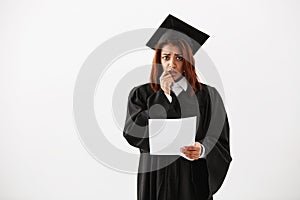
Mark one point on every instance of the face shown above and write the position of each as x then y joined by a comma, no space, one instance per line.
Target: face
172,60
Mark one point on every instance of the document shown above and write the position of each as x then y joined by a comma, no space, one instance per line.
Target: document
167,136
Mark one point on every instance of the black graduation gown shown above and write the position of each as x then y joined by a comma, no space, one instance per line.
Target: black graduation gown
179,179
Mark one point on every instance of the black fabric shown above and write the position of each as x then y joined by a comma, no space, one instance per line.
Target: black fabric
182,179
174,27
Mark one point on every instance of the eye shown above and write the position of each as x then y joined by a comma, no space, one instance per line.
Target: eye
179,58
165,57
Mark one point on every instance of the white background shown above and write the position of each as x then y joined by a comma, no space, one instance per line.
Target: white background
254,45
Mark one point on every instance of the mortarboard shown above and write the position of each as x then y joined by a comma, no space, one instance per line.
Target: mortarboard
174,27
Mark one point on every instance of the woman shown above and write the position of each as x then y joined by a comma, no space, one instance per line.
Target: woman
201,169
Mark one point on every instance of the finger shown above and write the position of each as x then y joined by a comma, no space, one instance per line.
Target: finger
192,155
172,83
192,148
182,149
167,75
197,154
168,80
197,144
187,155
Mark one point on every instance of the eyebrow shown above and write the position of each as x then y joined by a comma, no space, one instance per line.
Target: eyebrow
170,54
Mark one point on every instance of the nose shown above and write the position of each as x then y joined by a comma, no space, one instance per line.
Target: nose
172,62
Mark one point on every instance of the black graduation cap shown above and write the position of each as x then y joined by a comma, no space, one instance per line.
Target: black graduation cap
174,27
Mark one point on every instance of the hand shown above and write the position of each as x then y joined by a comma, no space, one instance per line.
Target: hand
192,152
166,81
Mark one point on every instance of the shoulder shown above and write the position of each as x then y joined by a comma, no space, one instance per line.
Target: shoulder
208,92
203,92
208,89
142,91
143,88
213,95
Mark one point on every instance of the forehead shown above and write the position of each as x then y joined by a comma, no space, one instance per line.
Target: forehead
169,49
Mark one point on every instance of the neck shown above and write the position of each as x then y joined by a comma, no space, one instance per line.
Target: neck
179,78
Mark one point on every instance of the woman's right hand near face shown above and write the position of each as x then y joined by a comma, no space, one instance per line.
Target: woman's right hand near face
166,81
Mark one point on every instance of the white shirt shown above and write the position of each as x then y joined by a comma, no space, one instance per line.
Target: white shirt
177,88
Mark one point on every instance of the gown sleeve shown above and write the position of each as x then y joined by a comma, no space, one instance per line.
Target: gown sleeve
216,143
136,123
135,128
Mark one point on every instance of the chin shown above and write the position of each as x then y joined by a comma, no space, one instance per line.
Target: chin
176,78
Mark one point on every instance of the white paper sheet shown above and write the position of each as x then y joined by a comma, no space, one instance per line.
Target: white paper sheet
167,136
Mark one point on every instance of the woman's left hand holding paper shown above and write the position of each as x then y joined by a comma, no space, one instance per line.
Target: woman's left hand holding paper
192,152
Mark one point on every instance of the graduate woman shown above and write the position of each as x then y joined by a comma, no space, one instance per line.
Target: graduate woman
174,91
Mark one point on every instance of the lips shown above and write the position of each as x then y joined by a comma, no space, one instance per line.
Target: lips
173,73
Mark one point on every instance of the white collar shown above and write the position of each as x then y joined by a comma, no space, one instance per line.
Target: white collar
182,84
